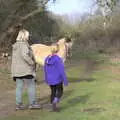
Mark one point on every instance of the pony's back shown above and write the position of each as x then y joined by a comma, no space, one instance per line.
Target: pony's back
41,51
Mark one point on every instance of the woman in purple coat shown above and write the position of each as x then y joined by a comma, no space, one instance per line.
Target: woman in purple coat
55,75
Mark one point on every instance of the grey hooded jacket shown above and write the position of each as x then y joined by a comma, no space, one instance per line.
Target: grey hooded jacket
23,62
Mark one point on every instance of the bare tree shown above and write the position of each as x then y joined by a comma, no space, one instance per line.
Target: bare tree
106,7
21,11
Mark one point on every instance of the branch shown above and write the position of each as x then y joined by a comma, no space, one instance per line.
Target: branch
30,14
34,12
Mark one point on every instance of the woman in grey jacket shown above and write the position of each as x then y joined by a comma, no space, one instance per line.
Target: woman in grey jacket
23,69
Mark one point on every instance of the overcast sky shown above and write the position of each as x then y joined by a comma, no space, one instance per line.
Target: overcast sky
70,6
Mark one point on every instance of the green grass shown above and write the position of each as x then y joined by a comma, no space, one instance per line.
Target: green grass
91,95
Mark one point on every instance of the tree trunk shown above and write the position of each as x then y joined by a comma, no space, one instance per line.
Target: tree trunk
12,27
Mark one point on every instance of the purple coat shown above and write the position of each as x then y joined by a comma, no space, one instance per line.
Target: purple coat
54,70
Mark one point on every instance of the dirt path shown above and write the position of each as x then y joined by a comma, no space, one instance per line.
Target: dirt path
7,103
7,100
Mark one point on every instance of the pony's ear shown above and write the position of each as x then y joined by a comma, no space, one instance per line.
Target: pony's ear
68,39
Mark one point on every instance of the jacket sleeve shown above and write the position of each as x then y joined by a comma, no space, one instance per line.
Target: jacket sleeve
61,69
26,53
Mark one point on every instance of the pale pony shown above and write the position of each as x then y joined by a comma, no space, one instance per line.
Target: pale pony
41,51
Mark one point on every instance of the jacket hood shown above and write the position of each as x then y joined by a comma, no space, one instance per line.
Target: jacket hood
50,60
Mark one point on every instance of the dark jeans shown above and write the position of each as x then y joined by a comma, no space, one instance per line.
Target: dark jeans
56,91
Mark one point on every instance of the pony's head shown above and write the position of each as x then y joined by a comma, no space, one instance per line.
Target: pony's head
67,41
68,45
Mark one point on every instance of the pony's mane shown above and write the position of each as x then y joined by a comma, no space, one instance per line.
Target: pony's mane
62,40
65,40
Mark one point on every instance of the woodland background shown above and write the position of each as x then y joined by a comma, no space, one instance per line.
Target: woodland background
92,32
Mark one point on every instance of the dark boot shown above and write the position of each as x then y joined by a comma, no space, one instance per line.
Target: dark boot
35,106
54,105
20,107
